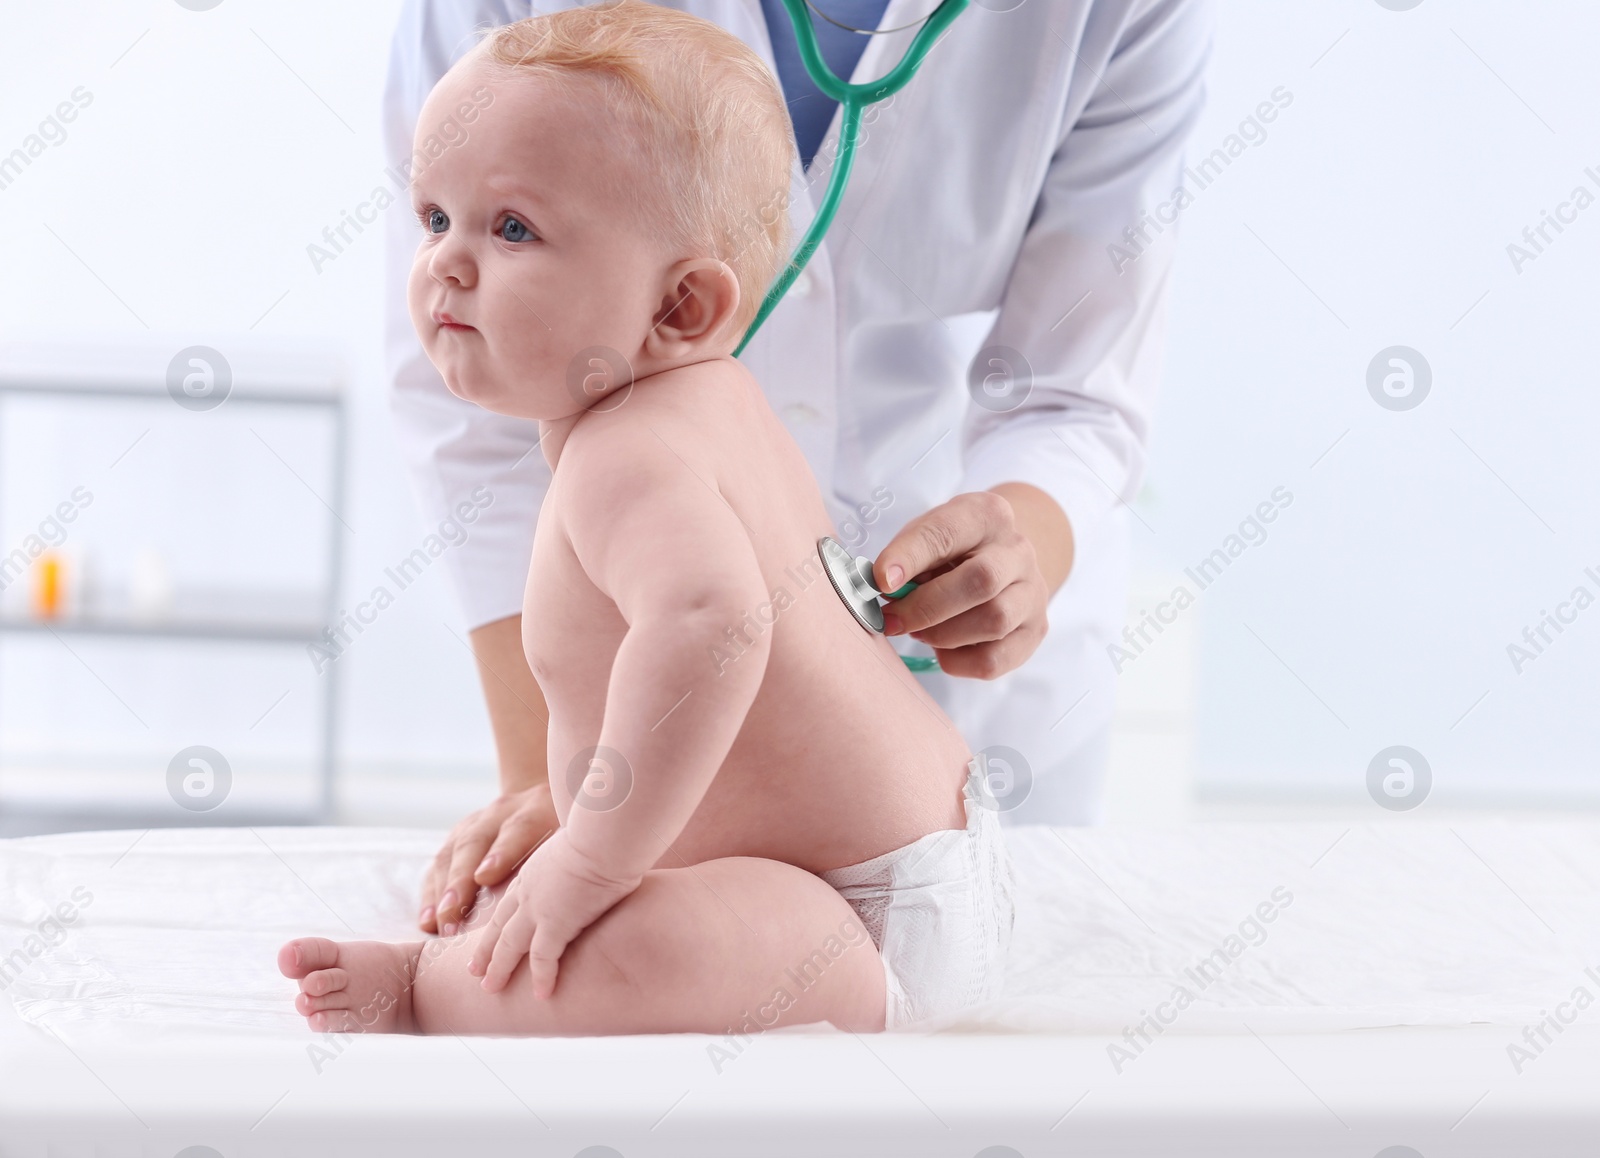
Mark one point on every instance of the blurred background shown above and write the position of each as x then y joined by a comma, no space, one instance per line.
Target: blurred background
1381,329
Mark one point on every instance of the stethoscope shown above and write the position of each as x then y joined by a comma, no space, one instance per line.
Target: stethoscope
850,576
852,98
852,581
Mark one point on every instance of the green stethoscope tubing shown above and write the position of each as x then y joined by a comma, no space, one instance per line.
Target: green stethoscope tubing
852,98
914,662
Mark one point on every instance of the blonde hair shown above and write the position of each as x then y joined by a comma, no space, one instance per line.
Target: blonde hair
712,121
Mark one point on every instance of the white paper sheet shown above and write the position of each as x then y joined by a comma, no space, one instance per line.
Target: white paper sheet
1396,924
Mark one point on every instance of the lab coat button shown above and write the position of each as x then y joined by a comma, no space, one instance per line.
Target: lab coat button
799,414
801,284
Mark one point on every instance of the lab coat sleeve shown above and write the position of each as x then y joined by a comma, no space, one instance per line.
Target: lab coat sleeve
1085,304
451,446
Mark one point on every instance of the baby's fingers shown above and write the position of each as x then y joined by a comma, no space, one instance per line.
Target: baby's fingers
509,950
544,959
483,951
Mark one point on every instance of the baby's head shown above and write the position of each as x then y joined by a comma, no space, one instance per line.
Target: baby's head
607,178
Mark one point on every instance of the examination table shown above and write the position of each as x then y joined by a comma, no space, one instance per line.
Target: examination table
1241,989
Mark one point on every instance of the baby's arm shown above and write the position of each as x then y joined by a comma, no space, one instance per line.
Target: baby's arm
653,533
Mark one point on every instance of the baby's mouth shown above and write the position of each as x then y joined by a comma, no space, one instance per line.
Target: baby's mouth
445,322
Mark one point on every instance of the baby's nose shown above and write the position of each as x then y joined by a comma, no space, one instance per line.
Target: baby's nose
453,261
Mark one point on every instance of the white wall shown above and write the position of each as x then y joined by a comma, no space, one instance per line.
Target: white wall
217,146
1376,212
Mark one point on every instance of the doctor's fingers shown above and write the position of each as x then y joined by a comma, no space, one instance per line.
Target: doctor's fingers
987,661
974,582
460,887
943,535
1019,606
432,885
436,881
522,832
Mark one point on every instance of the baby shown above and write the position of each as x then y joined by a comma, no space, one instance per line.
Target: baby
764,819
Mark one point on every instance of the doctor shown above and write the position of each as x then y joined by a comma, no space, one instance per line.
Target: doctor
968,362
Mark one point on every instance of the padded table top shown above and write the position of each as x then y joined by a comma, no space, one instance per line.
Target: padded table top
1343,989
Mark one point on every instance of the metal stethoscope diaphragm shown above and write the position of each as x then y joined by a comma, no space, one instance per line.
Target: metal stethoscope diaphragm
851,578
852,581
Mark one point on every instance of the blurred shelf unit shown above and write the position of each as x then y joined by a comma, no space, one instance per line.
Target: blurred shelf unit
266,618
243,616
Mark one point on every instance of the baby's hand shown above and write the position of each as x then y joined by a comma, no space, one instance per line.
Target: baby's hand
556,895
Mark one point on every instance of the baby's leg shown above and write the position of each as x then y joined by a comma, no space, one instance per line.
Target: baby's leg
740,942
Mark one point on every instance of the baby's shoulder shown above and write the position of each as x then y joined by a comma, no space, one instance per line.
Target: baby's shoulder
661,423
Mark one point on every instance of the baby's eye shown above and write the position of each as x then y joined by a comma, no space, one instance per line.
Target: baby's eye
514,230
437,221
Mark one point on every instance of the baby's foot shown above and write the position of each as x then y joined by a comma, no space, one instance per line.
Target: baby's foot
352,986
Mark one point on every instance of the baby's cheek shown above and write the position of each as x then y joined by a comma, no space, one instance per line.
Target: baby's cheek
522,362
416,300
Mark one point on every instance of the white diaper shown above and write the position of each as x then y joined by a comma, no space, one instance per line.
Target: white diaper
939,910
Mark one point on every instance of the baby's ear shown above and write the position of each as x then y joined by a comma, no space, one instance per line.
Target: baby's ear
696,311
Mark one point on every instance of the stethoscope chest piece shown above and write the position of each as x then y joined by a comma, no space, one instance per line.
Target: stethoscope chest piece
852,581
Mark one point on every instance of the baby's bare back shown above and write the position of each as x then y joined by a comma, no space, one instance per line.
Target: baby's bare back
842,755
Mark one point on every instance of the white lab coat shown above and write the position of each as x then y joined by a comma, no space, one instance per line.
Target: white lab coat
982,211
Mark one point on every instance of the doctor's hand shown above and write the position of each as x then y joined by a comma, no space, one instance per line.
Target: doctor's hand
986,563
483,850
558,894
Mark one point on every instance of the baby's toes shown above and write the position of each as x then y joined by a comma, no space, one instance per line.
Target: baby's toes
334,1021
324,981
307,954
308,1003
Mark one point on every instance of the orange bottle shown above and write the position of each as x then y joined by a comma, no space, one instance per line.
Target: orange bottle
49,585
